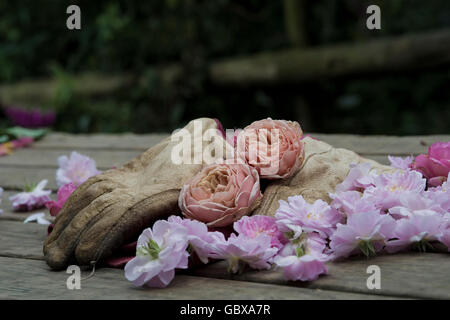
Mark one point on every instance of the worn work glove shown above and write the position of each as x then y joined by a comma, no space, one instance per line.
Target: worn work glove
323,169
113,208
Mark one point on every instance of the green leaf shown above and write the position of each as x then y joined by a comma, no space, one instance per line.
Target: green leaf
18,132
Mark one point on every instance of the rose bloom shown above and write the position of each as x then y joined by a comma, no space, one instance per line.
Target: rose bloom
435,166
220,194
273,147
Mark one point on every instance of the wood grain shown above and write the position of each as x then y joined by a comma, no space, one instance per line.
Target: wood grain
38,158
23,240
374,144
415,275
31,279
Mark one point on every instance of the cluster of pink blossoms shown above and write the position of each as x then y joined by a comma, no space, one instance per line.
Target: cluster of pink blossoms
389,212
168,245
369,213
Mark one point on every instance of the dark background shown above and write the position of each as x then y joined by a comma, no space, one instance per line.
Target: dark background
141,38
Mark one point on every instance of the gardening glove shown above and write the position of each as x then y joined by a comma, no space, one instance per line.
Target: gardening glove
322,170
113,208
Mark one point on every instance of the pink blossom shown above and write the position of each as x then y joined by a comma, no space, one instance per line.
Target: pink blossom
240,251
440,195
401,163
359,177
201,241
159,252
34,197
22,142
75,169
416,230
255,225
435,166
415,204
63,194
319,216
350,202
445,230
365,231
389,188
304,261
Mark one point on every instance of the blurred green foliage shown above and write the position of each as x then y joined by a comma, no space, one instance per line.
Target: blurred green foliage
136,37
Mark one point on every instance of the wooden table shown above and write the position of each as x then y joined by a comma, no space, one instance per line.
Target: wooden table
24,274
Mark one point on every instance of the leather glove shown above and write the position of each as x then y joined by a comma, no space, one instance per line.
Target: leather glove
113,208
322,170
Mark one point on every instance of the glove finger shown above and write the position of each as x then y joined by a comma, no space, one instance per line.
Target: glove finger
124,224
59,252
78,200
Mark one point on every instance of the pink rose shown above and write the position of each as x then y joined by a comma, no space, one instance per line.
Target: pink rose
273,147
435,166
220,194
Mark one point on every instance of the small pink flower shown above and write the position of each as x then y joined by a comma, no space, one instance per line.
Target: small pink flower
63,194
159,252
389,188
255,225
22,142
305,261
435,166
401,163
415,204
273,147
75,169
220,194
34,197
240,251
445,231
201,241
440,195
365,231
359,178
318,217
416,230
350,202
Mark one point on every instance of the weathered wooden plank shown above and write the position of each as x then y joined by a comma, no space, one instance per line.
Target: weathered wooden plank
31,279
123,141
16,177
22,240
382,145
34,157
374,144
104,159
415,275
